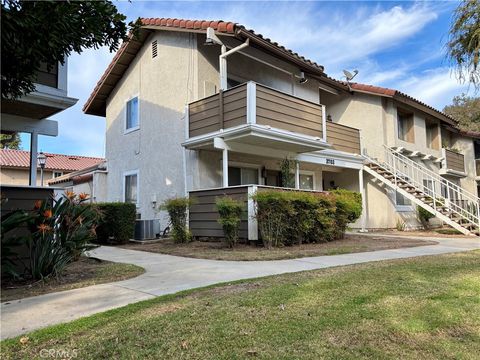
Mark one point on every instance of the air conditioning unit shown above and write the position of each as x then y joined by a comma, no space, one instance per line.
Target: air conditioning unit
147,229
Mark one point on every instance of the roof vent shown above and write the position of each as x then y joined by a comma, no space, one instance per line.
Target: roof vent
154,49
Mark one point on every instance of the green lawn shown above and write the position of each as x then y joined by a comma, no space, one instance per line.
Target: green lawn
424,308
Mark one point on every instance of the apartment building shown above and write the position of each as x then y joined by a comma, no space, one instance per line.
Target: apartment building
30,113
205,108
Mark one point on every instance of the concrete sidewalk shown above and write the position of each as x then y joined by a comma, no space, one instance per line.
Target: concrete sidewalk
166,274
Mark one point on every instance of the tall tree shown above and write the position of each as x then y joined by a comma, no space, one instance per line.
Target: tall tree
36,33
464,43
10,141
466,110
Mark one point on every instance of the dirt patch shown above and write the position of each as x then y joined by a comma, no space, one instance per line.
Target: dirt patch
217,250
81,273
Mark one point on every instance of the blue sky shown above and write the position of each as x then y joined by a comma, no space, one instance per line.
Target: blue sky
392,44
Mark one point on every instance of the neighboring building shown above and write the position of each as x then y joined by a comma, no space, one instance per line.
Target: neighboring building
29,114
91,180
182,122
15,166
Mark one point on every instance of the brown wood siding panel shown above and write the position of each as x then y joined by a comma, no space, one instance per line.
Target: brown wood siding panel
207,115
455,161
203,214
343,138
16,198
262,120
286,112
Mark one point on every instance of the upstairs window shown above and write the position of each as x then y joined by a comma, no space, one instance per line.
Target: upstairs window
405,126
57,174
432,133
132,122
131,187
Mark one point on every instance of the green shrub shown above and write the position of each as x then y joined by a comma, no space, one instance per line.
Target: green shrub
272,212
348,209
424,216
230,211
117,224
57,233
177,209
293,217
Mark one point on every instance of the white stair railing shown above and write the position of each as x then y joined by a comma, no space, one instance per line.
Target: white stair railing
442,193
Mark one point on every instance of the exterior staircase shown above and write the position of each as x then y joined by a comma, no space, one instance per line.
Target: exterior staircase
450,203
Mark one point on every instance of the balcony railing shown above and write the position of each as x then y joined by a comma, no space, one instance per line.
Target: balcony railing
343,138
251,103
454,161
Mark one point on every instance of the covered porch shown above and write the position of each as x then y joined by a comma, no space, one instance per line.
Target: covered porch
228,171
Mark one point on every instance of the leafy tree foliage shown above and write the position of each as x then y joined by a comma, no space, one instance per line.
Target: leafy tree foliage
464,44
466,110
10,141
46,32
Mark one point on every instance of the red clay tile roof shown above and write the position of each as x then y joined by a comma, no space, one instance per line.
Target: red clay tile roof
402,97
95,104
21,159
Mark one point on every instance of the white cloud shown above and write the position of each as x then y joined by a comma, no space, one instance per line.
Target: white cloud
435,87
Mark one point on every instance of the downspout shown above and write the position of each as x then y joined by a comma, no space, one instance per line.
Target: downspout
223,62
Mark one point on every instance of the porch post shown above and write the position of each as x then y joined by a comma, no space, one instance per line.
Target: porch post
225,167
364,201
297,175
33,158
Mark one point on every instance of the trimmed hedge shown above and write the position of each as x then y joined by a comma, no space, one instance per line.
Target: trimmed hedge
177,209
293,217
117,224
230,211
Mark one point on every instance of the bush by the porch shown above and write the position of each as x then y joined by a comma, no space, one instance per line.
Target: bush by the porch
292,217
117,224
230,211
177,209
42,242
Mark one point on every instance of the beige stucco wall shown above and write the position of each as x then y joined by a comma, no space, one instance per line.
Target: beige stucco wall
466,147
11,176
164,85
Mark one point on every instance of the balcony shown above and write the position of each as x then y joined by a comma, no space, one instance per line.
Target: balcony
453,163
257,115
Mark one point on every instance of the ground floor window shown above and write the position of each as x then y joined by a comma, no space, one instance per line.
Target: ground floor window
428,187
131,187
401,200
306,181
242,176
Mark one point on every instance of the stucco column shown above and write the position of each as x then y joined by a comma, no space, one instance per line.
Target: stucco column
225,167
33,158
361,187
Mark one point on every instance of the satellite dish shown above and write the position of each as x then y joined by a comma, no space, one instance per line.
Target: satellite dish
348,75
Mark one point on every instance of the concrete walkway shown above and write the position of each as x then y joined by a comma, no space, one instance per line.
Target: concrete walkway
167,274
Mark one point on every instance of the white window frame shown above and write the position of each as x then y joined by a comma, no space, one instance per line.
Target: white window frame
251,166
125,114
129,173
54,172
311,173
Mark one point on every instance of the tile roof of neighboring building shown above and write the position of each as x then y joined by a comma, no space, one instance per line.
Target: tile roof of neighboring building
21,159
95,104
